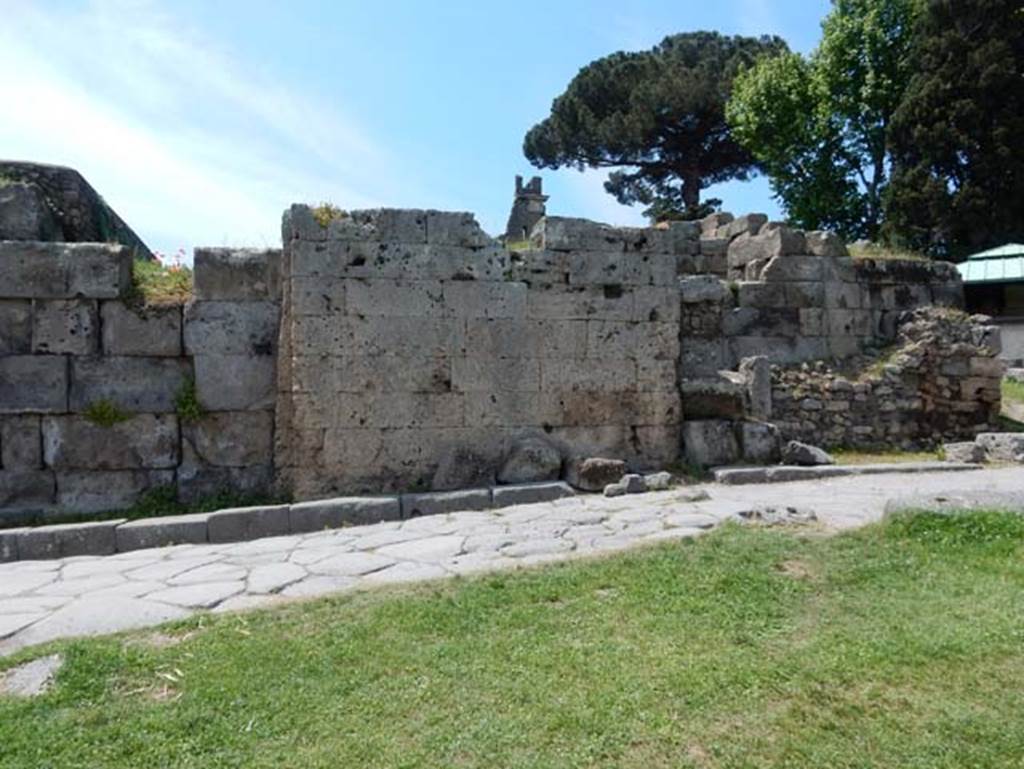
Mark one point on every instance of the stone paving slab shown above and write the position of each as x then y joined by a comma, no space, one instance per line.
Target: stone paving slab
89,595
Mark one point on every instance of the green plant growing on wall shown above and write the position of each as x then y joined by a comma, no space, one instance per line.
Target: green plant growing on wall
186,403
325,213
105,413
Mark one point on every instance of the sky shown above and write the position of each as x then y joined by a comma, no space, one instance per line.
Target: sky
200,122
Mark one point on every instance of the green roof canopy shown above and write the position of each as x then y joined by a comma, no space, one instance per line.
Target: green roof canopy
997,265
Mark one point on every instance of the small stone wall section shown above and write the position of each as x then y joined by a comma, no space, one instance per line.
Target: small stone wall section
939,382
71,338
418,353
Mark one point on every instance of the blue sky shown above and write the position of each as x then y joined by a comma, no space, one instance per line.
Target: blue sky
201,121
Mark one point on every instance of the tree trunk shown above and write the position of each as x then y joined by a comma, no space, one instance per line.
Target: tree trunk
691,189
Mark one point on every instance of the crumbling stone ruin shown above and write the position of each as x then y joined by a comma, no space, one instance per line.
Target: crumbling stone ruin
406,350
56,204
527,209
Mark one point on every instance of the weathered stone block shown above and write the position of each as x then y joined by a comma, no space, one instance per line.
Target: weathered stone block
93,491
65,326
36,270
233,438
196,480
758,294
245,523
531,459
703,288
710,224
136,385
485,299
15,326
342,511
594,473
710,442
395,298
597,268
1002,447
760,442
33,383
231,328
987,367
771,241
437,502
757,375
235,382
713,399
826,244
464,467
562,302
9,545
24,214
145,441
530,493
455,228
794,268
67,540
237,274
966,451
805,455
26,489
563,234
749,224
162,532
149,331
20,443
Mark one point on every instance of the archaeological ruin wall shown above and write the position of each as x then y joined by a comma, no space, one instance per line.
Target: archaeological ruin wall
99,395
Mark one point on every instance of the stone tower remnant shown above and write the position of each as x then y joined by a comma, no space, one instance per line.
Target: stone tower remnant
527,210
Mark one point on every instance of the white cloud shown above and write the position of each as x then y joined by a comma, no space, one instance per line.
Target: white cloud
190,146
586,193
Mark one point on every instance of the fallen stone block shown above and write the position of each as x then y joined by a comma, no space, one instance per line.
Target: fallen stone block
244,523
594,473
965,451
433,503
659,481
760,442
342,511
617,489
797,453
66,540
161,532
634,483
785,473
31,679
531,460
738,476
529,493
1002,447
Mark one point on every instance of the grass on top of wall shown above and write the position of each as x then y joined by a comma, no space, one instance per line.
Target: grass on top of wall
157,285
896,645
881,251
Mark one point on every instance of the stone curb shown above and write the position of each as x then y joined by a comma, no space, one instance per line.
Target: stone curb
248,523
736,476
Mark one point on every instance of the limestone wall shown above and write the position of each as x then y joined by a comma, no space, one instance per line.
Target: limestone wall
92,387
417,352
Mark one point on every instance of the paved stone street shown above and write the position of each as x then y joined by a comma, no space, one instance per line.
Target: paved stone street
43,600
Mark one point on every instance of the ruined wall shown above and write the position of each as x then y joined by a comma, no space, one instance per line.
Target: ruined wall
939,382
91,385
411,342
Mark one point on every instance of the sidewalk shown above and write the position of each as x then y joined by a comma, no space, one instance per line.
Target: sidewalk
44,600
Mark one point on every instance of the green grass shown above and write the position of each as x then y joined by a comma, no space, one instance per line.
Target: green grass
186,403
154,285
898,645
881,251
325,213
1013,391
855,457
105,413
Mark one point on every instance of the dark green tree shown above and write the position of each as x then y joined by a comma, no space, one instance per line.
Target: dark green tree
658,118
957,138
818,124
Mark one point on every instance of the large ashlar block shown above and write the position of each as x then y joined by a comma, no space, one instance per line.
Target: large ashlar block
639,341
197,480
360,373
15,326
149,331
145,441
794,268
455,228
849,322
65,326
561,302
771,241
237,274
92,491
495,374
405,261
231,328
564,234
33,383
611,373
377,335
600,268
233,439
526,339
479,299
392,410
21,446
322,295
26,489
37,270
235,382
710,442
395,298
656,304
136,385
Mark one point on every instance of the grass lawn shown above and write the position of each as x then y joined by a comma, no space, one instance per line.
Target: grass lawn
898,645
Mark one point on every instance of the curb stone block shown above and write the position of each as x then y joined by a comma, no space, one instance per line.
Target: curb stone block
9,544
528,493
65,540
414,505
334,513
161,532
242,524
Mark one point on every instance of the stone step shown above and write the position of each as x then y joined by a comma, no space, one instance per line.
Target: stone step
736,476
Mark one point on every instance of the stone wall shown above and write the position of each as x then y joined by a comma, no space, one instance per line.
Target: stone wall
91,385
419,353
939,382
